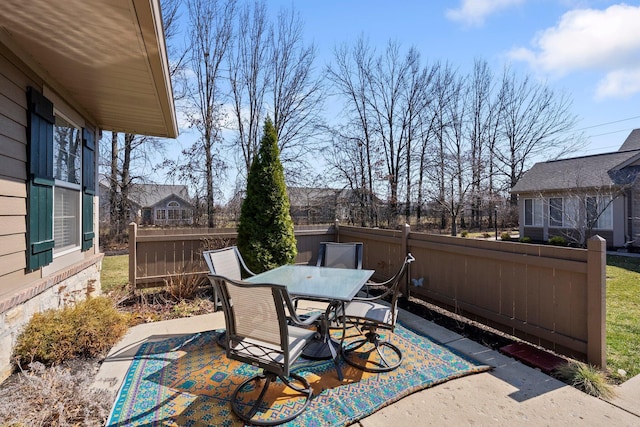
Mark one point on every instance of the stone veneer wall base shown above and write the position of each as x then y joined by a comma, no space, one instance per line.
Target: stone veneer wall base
67,286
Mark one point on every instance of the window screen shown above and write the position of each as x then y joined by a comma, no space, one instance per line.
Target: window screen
66,222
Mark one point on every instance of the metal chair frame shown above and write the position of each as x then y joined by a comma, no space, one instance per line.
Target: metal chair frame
360,313
257,344
221,263
322,252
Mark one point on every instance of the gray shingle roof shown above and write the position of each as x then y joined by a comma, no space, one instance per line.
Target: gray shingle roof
584,172
302,196
146,195
632,142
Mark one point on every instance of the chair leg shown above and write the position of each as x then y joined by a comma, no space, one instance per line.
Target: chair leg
371,354
221,339
252,409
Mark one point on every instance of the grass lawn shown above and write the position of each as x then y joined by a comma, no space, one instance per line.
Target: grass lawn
115,271
623,314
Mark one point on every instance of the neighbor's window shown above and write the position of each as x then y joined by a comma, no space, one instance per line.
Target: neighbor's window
533,212
67,170
174,210
161,214
572,212
555,212
600,212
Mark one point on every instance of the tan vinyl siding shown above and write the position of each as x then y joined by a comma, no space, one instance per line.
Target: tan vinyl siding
12,206
13,173
12,225
12,262
12,243
12,168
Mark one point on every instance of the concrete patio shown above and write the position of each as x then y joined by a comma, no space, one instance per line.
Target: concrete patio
510,394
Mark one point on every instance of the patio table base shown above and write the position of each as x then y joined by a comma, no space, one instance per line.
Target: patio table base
318,349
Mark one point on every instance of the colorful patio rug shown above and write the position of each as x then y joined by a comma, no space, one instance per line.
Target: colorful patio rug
188,380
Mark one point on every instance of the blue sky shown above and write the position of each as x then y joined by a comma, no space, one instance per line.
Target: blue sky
588,49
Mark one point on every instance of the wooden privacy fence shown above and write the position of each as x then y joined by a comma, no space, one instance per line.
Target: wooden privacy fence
155,254
550,296
547,295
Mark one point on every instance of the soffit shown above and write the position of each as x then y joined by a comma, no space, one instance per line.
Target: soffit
107,57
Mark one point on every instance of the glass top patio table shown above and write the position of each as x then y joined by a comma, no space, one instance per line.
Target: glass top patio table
325,283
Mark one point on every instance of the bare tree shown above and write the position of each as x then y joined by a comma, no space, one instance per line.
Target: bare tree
417,99
535,122
249,78
347,156
586,206
443,91
271,69
457,157
211,23
482,126
387,108
297,95
355,159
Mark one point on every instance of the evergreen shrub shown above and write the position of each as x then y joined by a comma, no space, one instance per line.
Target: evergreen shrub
558,241
265,231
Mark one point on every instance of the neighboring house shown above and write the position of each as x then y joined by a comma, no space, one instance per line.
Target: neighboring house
154,204
312,205
583,196
68,70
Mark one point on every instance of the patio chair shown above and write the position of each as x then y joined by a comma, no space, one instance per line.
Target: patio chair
337,255
260,333
340,255
226,262
371,353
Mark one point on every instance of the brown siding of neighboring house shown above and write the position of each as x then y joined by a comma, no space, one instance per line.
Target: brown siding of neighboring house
635,214
535,233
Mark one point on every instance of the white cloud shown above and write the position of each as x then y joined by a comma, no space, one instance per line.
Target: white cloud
588,39
619,84
474,12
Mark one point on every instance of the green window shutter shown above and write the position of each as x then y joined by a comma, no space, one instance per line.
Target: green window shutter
88,187
40,122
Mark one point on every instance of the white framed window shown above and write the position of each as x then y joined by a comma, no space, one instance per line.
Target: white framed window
572,217
556,212
533,212
67,171
161,214
173,210
600,212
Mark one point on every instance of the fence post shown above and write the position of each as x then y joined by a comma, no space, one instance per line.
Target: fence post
596,301
133,266
405,250
336,225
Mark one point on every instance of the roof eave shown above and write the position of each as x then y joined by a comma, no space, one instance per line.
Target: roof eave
108,60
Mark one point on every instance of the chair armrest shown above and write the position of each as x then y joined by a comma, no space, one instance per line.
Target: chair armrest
297,321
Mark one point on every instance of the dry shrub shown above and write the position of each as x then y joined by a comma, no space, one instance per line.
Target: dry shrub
586,378
53,397
185,284
215,242
88,329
